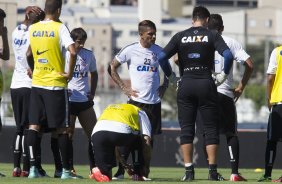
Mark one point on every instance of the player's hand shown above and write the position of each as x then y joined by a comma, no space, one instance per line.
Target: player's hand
219,78
29,73
90,96
237,93
161,90
173,80
68,76
128,91
33,9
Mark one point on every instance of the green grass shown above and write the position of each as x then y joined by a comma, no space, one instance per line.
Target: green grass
159,175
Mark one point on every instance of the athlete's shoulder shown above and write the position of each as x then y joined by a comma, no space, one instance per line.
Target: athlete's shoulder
129,47
157,47
87,51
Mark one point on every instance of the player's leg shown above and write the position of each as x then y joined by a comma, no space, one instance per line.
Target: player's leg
56,155
17,152
26,165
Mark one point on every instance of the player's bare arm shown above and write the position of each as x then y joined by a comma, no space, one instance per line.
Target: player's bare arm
163,87
72,61
5,54
93,85
246,76
29,58
270,81
115,76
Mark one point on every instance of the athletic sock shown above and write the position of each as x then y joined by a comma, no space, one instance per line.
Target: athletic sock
270,154
32,137
91,156
233,149
64,144
70,154
56,154
212,168
25,152
17,149
38,155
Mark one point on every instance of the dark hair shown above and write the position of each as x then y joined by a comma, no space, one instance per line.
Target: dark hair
78,34
2,13
200,12
215,22
51,6
35,18
143,25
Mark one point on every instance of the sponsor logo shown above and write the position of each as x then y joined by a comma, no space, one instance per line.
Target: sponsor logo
44,61
44,68
216,61
147,69
43,34
20,42
194,55
39,53
192,39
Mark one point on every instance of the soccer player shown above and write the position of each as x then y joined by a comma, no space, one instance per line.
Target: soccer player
274,99
4,54
145,90
81,93
20,88
49,97
197,90
119,125
227,96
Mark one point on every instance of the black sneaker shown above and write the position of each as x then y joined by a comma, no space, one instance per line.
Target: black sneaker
189,175
215,176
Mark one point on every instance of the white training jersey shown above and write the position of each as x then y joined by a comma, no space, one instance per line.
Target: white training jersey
79,84
114,126
143,69
272,66
239,55
20,43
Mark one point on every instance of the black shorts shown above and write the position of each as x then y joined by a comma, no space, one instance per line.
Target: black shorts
50,104
274,128
104,143
20,101
227,115
154,113
77,107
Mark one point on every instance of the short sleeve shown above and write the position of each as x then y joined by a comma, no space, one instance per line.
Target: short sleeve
239,54
65,38
124,55
272,66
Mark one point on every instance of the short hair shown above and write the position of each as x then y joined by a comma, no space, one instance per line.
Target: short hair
51,6
215,22
78,34
143,25
200,12
2,13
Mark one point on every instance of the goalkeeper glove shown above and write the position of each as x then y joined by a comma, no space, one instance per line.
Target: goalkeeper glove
219,78
173,79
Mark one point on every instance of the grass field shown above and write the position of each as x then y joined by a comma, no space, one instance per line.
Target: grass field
159,175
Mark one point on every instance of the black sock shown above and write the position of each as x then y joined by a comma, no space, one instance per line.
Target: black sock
71,154
25,152
38,156
270,154
91,156
56,154
17,147
212,168
64,144
32,137
233,149
190,168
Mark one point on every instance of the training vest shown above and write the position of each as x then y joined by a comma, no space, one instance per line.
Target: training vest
123,113
276,93
47,54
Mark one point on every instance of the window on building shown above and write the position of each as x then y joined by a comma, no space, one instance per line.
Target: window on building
187,2
133,33
117,33
268,23
167,33
104,31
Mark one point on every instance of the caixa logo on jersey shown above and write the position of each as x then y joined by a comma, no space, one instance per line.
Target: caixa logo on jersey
43,61
146,68
192,39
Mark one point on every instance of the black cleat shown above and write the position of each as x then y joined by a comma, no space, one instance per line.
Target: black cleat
215,176
189,175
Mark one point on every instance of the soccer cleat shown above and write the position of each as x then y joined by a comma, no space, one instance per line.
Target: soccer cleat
58,173
42,173
278,180
73,172
2,175
67,174
33,172
98,176
146,179
189,175
17,172
118,177
24,174
264,178
237,177
136,177
215,176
